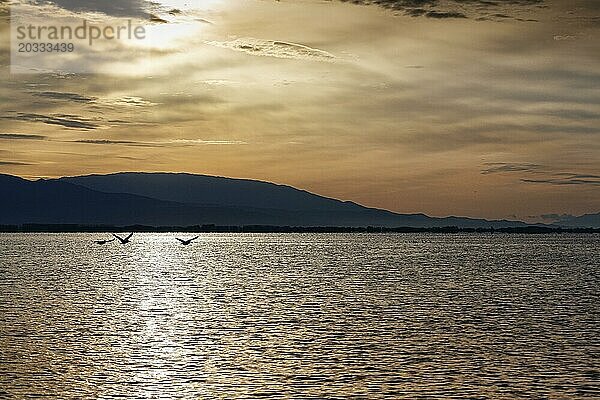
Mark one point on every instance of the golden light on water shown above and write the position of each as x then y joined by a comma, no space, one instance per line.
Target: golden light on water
297,315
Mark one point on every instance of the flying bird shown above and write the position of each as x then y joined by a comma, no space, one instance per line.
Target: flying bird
186,242
104,241
125,240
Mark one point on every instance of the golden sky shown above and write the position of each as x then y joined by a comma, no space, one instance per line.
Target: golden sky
443,108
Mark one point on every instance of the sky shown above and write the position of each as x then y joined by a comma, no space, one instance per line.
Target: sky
477,108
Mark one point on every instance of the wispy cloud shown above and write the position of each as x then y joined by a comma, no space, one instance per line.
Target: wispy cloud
164,143
78,98
498,167
192,142
66,120
111,142
567,179
20,136
564,37
275,48
13,163
543,174
133,101
476,9
438,14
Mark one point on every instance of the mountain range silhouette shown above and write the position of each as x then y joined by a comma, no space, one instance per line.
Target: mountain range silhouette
178,199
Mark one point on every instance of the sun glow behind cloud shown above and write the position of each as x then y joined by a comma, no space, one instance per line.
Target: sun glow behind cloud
171,36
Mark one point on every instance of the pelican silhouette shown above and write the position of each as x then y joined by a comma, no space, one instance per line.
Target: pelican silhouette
186,242
125,240
104,241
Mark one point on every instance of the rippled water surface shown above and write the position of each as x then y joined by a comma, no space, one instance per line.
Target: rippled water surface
300,316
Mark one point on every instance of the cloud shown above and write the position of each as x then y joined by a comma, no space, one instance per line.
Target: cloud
494,168
117,8
14,163
157,19
191,142
476,9
20,136
66,96
66,120
133,101
165,143
573,179
274,48
442,15
111,142
564,37
543,174
581,13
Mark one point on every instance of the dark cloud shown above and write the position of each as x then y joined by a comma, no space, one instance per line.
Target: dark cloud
578,176
157,19
164,143
20,136
476,9
442,15
8,163
117,8
115,142
78,98
543,174
142,9
572,180
493,168
66,120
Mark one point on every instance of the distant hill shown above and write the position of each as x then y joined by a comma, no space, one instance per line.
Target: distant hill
185,199
56,202
583,221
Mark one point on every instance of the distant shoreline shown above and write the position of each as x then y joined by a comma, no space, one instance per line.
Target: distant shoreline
74,228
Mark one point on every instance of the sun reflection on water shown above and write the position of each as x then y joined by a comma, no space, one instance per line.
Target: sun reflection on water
299,316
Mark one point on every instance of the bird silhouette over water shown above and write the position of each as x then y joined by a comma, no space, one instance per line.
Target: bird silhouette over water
104,241
123,240
186,242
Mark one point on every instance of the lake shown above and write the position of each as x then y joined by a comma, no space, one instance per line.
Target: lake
300,316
